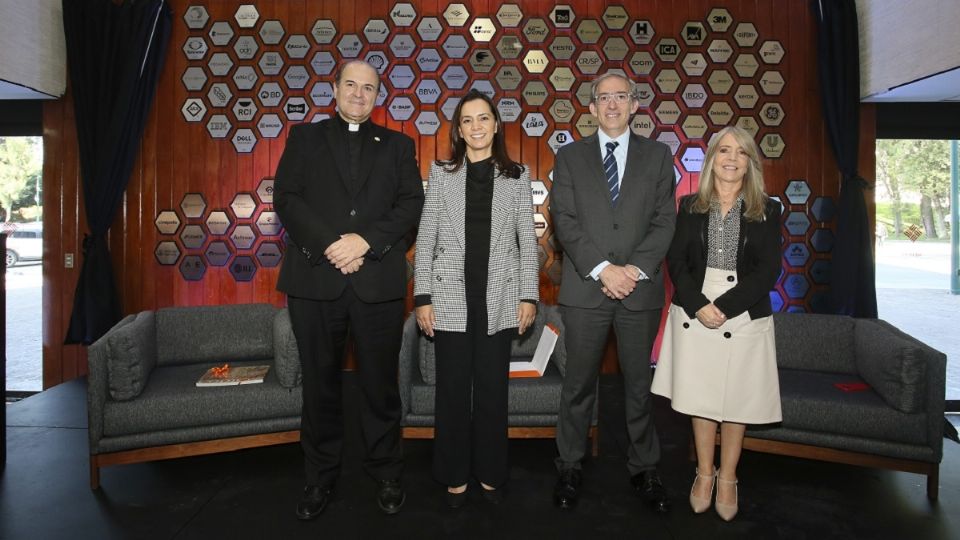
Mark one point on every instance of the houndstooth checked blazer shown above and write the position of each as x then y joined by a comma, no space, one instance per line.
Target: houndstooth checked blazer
513,271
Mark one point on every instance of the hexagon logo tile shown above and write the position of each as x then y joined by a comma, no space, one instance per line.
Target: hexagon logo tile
350,46
401,108
245,77
219,126
670,139
642,124
221,33
720,82
536,30
822,240
797,191
771,114
196,17
454,77
645,95
219,64
167,222
193,205
562,111
269,126
561,48
429,29
194,78
562,16
244,109
271,63
797,223
402,76
508,77
297,46
243,205
536,61
668,112
534,124
694,95
823,209
771,83
694,64
641,63
243,268
247,16
268,223
265,190
797,254
246,47
269,254
449,106
692,159
324,31
559,139
218,222
694,126
193,110
193,237
484,87
376,31
482,29
271,32
667,49
615,48
539,224
509,109
403,46
668,80
217,253
796,286
509,47
244,140
456,15
745,34
771,52
772,145
719,19
562,79
693,33
748,124
615,17
746,96
296,77
642,32
539,192
535,93
427,123
720,114
403,14
429,60
456,46
746,65
482,61
167,253
428,92
509,15
379,61
586,125
195,48
270,94
589,31
720,51
589,62
820,271
192,268
295,109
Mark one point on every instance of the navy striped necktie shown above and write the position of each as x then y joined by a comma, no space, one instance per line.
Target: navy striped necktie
610,169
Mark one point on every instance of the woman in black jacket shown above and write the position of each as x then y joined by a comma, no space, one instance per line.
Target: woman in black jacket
718,358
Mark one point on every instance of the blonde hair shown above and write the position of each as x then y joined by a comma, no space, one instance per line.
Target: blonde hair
754,198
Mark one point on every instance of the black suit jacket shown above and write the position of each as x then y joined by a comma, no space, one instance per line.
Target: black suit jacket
758,262
317,201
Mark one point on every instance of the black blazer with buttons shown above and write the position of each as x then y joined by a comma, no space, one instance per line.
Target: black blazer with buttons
758,262
317,201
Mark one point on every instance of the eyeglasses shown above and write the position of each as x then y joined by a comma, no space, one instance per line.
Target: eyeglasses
620,98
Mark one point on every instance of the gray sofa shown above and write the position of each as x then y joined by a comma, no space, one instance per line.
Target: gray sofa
533,402
857,391
142,402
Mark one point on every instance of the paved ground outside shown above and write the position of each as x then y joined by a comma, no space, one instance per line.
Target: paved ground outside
913,293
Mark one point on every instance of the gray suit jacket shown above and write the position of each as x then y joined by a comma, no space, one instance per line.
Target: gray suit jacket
513,269
636,231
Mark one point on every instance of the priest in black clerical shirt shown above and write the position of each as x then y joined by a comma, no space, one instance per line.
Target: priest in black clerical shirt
349,195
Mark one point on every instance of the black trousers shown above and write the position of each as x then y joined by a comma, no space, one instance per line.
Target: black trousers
473,370
321,328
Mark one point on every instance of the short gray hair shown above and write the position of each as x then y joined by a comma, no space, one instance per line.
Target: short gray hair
608,75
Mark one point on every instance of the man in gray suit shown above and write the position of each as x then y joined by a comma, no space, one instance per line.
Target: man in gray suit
613,209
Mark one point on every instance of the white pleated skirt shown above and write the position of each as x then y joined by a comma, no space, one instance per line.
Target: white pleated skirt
727,374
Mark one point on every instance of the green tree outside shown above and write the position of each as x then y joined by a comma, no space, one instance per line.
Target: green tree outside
908,169
21,169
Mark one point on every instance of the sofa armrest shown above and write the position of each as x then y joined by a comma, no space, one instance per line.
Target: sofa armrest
98,384
286,355
409,362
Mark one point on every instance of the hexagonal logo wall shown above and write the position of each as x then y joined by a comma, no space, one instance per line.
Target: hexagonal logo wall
192,268
243,268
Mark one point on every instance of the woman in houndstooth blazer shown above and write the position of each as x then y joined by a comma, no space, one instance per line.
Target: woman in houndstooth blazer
476,287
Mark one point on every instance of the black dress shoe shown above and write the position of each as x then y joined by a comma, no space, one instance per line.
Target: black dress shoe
314,500
390,496
650,488
492,496
567,490
456,500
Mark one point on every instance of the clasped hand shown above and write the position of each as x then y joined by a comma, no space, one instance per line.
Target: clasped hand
711,316
617,282
346,254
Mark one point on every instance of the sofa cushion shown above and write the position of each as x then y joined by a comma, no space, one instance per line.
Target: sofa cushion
526,395
131,355
286,359
172,401
811,402
815,342
894,366
229,333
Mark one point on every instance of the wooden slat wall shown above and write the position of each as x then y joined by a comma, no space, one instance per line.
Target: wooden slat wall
177,157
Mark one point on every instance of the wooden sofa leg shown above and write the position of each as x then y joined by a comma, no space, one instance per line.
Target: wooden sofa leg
94,473
933,483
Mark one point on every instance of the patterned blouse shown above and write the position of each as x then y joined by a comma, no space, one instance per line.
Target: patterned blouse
724,234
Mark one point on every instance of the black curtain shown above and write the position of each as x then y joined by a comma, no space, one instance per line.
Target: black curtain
853,280
115,52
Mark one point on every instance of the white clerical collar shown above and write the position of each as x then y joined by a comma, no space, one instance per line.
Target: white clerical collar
351,127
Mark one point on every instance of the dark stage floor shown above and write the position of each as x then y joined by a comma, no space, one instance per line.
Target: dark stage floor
44,491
